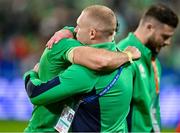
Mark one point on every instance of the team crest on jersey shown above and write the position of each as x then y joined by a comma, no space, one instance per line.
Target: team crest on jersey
142,70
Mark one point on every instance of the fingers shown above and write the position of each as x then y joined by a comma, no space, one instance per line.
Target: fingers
58,36
137,54
36,67
56,39
50,43
134,51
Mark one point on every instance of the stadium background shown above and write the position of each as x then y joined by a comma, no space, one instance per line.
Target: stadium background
26,26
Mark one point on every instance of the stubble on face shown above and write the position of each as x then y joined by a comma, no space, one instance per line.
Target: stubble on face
160,38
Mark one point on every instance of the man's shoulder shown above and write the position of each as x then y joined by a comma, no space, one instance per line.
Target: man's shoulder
65,44
124,43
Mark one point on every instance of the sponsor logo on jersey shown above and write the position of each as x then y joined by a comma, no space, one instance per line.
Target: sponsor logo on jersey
142,70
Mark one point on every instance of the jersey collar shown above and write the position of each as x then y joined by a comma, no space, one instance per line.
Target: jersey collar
106,45
145,51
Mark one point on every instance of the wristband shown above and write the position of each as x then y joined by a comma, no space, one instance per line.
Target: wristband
129,54
70,56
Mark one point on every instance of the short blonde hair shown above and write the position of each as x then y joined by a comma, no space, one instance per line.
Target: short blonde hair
103,18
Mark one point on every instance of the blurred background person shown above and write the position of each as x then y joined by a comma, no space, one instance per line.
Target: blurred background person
155,31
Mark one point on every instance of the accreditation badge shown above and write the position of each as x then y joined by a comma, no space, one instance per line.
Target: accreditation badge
153,112
156,127
65,120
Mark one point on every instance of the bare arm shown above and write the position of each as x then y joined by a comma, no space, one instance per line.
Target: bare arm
96,59
101,59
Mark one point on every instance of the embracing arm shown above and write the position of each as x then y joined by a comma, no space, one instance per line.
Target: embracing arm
101,59
96,59
61,87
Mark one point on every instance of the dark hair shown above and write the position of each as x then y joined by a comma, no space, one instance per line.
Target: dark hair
163,14
117,25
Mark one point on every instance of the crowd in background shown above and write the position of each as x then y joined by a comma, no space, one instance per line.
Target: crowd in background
26,26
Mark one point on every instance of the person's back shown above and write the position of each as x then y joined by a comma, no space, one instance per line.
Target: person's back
53,61
118,100
109,112
100,114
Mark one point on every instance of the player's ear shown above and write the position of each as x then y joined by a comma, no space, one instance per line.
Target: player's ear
150,28
92,33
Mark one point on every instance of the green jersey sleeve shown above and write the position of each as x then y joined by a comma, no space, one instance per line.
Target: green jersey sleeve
70,28
75,80
59,50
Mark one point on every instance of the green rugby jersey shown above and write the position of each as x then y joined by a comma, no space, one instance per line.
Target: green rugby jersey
144,115
105,114
53,61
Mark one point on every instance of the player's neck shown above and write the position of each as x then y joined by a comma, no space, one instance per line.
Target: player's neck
101,41
140,35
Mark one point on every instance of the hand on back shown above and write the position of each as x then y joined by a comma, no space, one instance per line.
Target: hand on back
58,36
135,53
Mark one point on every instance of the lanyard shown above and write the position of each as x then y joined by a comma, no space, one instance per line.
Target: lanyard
153,110
105,90
155,75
